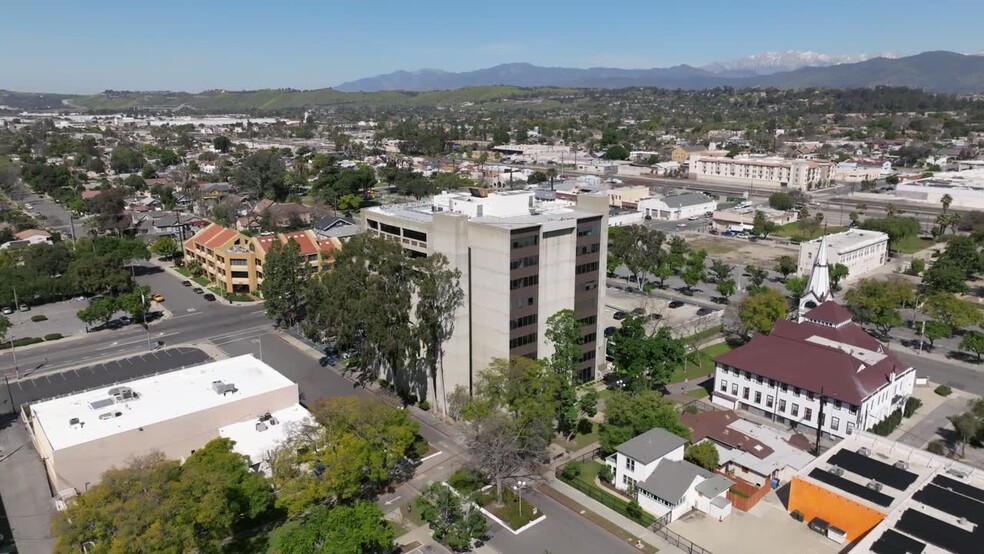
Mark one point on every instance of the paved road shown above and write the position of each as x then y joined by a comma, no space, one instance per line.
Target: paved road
957,376
55,215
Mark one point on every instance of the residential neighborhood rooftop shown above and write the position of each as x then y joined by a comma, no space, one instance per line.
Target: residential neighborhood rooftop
651,445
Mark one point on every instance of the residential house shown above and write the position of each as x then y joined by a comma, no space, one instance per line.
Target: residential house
336,227
28,237
651,468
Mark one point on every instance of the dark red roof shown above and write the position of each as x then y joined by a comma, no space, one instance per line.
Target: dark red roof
788,357
713,424
829,312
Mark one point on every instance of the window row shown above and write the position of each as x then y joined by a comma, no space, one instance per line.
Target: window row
526,261
586,268
524,282
523,242
524,321
523,340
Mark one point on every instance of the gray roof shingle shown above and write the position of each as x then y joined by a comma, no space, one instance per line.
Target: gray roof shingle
651,445
671,480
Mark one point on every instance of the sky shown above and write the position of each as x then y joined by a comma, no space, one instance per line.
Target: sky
74,46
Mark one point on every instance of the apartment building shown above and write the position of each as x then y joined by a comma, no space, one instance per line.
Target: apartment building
82,435
234,260
521,261
823,371
765,173
859,250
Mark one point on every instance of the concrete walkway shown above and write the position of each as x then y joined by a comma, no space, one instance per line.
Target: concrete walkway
24,488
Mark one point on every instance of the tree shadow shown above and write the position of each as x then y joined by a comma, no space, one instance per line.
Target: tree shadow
963,357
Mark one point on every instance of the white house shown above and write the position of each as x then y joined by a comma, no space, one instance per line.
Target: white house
651,466
677,206
822,371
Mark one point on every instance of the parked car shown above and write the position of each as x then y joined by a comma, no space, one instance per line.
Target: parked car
619,315
186,283
639,312
676,304
7,310
655,316
126,320
693,218
615,381
198,290
609,331
158,297
705,311
681,225
25,308
209,297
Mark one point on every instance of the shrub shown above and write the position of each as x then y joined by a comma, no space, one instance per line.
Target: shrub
420,446
911,405
633,510
690,409
424,405
467,480
943,390
571,471
384,384
53,336
606,474
738,492
584,426
937,446
887,425
38,318
21,342
917,266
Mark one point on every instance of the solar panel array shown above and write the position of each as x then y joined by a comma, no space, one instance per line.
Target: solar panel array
851,487
958,487
893,542
938,532
886,474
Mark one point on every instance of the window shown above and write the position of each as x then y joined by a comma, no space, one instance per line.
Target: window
524,282
589,249
526,261
240,275
782,405
523,302
854,410
586,268
837,404
629,464
589,285
587,230
808,414
390,229
850,427
523,242
237,261
835,423
809,395
758,379
785,387
772,382
590,320
796,391
769,401
588,338
589,355
724,386
415,235
744,393
522,321
734,389
522,341
628,481
796,410
373,224
758,397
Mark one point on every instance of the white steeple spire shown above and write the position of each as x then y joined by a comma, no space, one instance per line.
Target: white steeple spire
818,288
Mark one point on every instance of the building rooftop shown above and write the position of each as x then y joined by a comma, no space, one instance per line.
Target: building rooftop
686,199
670,480
848,240
968,179
255,438
87,416
651,445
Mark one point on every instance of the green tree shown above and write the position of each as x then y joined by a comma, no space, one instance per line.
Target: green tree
135,303
104,308
565,334
616,152
262,174
165,247
648,360
762,226
703,454
945,276
973,342
781,201
124,159
961,251
796,286
284,272
352,451
4,328
897,228
854,217
758,312
526,389
953,311
356,529
877,301
221,143
630,414
837,272
786,266
967,427
503,448
946,200
453,522
439,295
694,270
756,278
932,330
721,270
726,288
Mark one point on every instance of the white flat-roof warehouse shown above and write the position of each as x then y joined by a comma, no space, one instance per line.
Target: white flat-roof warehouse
82,435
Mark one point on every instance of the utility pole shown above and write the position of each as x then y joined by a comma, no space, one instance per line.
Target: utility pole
10,395
16,303
922,335
143,305
819,423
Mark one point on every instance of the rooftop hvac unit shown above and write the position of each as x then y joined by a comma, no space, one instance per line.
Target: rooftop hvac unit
957,473
223,388
874,485
902,464
838,471
864,451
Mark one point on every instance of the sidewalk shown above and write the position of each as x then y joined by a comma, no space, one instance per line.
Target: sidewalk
610,515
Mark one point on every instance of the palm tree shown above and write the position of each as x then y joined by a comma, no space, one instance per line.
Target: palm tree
946,201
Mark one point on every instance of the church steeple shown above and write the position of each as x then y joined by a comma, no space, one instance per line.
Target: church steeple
818,288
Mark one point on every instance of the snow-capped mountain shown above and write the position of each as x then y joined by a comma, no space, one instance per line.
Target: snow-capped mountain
768,63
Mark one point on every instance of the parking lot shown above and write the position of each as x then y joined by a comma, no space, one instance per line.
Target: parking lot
683,320
24,389
60,316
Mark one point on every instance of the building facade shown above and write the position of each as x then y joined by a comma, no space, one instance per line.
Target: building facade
677,206
521,261
234,260
765,173
859,250
823,371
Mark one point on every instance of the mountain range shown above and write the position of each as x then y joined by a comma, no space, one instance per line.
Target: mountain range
934,71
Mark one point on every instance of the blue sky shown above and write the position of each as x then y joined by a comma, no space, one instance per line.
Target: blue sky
92,45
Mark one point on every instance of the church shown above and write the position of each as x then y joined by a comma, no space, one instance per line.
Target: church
822,370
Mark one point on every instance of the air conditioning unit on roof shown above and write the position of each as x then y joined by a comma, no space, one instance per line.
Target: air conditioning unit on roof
864,451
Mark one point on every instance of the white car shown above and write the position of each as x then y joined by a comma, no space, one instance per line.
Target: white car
681,225
693,218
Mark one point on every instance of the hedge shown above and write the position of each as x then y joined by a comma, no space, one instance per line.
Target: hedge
39,317
21,342
52,336
943,390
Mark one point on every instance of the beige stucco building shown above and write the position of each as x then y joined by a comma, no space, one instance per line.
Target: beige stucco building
762,172
521,261
82,435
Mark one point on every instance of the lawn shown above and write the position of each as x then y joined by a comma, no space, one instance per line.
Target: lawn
911,245
699,392
580,441
183,271
201,280
706,363
590,470
516,512
795,230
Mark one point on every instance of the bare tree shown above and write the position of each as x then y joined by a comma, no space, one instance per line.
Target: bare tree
502,449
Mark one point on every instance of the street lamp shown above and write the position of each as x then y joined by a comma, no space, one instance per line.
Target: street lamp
259,341
518,487
143,308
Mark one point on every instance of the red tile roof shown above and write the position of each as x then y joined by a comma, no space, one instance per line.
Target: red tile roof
829,312
212,236
788,357
714,424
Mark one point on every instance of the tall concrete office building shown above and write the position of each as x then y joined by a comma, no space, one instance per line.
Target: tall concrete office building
523,256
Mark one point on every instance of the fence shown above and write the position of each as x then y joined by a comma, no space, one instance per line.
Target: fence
678,541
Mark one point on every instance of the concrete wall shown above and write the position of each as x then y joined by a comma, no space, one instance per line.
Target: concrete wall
490,294
81,465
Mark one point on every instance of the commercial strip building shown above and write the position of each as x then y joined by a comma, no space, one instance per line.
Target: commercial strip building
234,260
966,189
888,497
674,207
743,219
665,484
521,259
823,371
82,435
762,172
859,250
